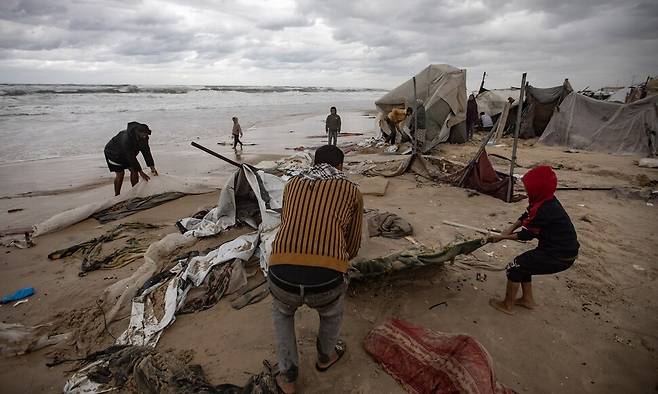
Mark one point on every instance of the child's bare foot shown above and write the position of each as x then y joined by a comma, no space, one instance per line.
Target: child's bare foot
525,303
500,305
284,386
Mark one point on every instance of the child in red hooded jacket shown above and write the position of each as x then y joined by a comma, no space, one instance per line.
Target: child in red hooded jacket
546,220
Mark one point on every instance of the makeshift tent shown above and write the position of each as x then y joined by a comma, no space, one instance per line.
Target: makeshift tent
585,123
539,106
492,102
442,88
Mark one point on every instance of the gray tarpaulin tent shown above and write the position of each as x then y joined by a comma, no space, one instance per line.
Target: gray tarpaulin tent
585,123
443,90
539,106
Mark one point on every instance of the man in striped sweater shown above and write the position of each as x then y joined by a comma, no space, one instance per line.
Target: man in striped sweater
320,232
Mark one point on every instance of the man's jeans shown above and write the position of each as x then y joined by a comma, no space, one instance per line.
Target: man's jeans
333,136
284,304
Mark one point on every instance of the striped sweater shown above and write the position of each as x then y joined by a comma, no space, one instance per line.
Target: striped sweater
320,224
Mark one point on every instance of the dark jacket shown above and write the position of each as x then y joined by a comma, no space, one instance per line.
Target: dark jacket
554,230
472,113
333,123
124,147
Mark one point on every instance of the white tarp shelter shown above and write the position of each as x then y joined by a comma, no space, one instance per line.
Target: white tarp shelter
585,123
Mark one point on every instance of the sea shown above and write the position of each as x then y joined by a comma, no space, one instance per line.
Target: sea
52,136
53,121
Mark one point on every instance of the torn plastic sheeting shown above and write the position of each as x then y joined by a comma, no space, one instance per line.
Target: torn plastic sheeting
157,185
244,183
144,328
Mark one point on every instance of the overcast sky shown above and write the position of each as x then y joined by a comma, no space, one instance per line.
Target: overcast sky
342,43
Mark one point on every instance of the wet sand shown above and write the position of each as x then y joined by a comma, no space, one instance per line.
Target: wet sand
593,332
42,188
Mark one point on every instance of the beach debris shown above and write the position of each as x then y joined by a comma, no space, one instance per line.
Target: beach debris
134,205
20,241
14,210
169,292
90,251
386,224
459,362
252,297
140,369
648,162
638,267
17,295
17,339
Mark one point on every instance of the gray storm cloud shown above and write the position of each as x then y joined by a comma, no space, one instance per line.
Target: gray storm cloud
331,43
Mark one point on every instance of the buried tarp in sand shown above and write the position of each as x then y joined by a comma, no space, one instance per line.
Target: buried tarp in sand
158,297
156,186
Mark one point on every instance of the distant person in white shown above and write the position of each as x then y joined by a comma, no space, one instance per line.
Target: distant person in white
487,123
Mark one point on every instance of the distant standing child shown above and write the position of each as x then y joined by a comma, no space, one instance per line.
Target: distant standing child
237,133
332,126
546,220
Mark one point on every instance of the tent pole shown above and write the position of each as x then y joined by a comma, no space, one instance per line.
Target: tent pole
510,185
414,148
482,83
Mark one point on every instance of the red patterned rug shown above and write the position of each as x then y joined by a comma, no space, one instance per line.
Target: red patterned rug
426,361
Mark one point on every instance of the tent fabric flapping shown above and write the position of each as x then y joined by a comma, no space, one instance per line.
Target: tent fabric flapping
442,88
585,123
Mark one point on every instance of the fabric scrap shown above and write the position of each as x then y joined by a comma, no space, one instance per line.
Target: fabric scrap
412,257
134,205
388,225
17,295
426,361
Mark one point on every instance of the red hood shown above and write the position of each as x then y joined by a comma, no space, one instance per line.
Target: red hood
540,184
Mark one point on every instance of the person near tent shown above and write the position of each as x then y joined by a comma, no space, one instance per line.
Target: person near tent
121,154
546,220
394,119
471,115
418,120
487,122
237,133
332,126
309,263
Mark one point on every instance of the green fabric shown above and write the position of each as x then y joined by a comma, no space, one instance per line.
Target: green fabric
412,257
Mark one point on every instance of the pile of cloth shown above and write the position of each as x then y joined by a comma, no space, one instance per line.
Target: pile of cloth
386,224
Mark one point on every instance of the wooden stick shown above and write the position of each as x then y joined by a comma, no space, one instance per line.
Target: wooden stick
477,229
584,188
510,186
217,155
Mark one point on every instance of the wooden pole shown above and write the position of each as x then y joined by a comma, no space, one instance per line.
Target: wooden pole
414,148
217,155
482,83
510,186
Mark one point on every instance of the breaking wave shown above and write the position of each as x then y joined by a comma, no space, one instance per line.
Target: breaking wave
21,90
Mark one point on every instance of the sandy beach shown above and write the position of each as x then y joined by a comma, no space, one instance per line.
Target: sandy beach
594,330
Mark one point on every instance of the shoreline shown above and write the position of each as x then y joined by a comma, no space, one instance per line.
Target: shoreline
42,188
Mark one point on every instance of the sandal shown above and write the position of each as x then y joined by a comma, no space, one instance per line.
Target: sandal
341,348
